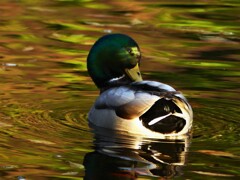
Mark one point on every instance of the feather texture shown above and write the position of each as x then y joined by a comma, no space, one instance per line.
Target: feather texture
154,106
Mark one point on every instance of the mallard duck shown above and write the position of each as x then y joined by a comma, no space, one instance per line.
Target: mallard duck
126,102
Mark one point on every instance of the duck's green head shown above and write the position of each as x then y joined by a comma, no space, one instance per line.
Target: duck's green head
114,58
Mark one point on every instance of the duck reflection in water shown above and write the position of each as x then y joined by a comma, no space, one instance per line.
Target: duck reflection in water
119,156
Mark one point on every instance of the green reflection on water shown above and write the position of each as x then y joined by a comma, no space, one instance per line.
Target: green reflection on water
62,26
78,38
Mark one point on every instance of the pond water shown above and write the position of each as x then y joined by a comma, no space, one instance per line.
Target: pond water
46,93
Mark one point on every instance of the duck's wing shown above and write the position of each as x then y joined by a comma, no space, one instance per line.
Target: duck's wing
133,100
126,101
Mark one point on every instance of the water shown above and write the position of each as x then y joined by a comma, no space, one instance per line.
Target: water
46,93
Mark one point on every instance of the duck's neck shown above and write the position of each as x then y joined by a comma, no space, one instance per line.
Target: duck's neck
116,82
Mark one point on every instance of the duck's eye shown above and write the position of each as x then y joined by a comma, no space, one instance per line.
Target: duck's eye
130,51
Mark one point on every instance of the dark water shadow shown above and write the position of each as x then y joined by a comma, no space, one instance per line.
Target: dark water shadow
118,156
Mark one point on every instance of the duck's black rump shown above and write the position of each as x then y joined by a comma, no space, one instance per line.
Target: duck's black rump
169,124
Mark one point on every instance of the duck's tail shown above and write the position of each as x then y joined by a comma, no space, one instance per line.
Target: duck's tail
166,116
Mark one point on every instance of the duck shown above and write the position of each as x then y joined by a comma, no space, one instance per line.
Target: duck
126,102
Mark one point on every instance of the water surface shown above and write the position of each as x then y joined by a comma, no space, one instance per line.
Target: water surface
46,93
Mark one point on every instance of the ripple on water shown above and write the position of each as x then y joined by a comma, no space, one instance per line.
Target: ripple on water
217,119
33,136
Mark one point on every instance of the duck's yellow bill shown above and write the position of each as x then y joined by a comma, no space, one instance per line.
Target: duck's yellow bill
134,73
